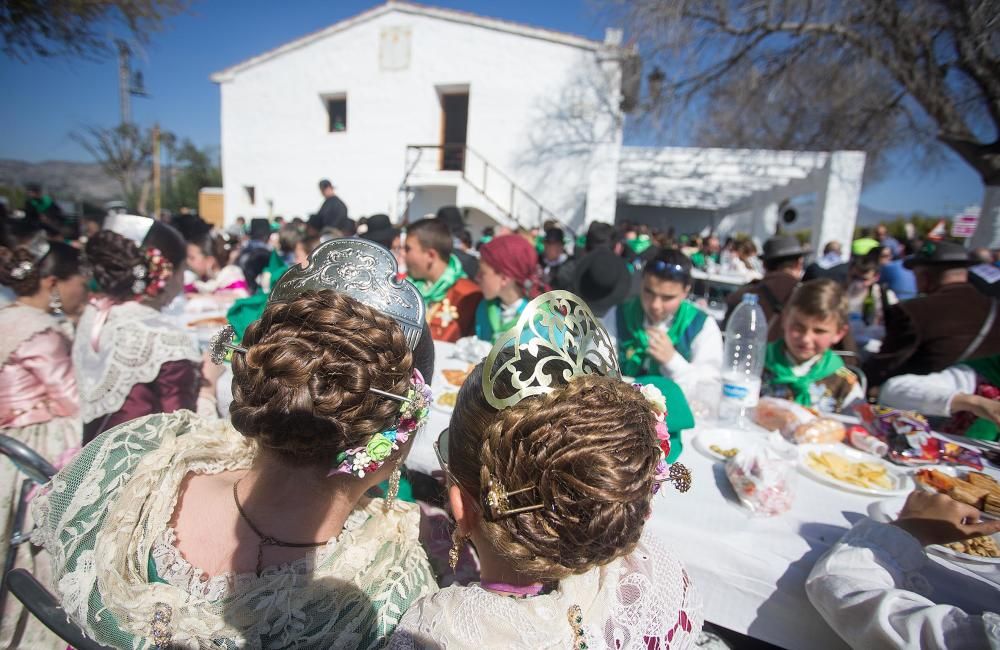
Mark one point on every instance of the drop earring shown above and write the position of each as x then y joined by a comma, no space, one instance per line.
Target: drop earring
55,302
393,491
457,542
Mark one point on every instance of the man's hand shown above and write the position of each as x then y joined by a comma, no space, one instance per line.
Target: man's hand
938,519
984,407
660,347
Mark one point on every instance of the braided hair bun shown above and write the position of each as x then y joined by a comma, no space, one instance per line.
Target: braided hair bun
590,450
302,387
112,259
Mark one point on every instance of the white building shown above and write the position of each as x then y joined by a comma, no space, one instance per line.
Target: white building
369,102
406,108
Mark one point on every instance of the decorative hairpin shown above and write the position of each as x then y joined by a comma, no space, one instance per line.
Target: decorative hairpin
496,501
675,473
563,338
22,270
364,271
412,414
221,344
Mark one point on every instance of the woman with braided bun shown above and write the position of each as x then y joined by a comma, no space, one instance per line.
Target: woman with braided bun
552,481
130,359
39,405
199,533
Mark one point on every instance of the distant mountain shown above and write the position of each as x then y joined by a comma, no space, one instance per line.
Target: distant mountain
63,180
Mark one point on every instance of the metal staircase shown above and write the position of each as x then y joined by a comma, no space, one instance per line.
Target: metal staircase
435,164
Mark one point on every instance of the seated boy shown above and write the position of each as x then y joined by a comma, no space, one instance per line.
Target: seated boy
661,332
800,366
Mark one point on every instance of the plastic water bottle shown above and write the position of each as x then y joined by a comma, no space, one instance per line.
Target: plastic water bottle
743,363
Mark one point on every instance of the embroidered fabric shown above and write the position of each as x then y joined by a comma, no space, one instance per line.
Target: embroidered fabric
644,600
134,342
119,495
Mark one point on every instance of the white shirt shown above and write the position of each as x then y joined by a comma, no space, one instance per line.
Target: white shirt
866,587
706,353
928,394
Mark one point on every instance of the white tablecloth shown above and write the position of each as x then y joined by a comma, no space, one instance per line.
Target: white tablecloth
750,571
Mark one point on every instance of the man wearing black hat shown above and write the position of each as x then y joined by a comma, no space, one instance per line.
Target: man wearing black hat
553,253
783,265
950,323
602,279
333,212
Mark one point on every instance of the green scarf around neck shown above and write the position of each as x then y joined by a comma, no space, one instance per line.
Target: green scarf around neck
436,291
494,314
780,367
989,369
633,343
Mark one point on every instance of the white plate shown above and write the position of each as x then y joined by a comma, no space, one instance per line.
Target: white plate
442,408
725,439
888,510
902,483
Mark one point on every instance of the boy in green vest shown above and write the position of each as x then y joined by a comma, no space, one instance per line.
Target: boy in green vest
800,366
661,332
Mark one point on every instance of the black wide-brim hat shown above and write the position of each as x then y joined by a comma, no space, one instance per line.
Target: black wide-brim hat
944,254
380,230
782,247
602,279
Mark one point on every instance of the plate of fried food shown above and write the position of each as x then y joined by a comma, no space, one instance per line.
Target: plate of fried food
444,401
852,470
976,489
977,550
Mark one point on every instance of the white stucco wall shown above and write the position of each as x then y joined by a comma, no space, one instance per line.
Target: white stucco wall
526,104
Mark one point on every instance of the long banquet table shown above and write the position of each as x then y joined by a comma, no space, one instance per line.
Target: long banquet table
750,570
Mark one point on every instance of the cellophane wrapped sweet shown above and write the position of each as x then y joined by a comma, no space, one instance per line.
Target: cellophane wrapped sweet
910,439
763,476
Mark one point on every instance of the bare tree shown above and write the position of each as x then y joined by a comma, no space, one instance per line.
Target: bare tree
45,28
934,67
125,153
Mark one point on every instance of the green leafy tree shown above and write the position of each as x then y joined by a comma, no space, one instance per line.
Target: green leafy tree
195,168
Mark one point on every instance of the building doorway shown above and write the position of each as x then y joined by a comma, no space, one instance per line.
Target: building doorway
454,123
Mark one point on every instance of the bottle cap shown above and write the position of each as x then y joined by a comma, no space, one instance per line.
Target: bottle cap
750,298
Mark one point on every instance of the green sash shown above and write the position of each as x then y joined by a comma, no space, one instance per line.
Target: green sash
781,372
436,291
488,319
633,342
989,369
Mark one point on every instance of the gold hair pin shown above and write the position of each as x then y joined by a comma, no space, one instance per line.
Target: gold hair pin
496,501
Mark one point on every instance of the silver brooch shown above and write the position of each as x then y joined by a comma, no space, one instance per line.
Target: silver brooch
221,343
22,270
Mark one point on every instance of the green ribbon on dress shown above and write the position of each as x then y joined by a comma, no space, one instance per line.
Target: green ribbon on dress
436,291
633,342
781,371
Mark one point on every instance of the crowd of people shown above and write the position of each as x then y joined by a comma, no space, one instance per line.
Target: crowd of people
260,501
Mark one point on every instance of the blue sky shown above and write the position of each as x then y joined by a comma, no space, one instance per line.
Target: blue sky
47,99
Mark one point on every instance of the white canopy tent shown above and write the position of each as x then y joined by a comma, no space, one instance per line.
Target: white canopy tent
722,184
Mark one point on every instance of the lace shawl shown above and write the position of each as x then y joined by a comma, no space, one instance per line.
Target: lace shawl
642,601
133,343
118,496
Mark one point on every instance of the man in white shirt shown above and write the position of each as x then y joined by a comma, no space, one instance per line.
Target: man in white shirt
866,587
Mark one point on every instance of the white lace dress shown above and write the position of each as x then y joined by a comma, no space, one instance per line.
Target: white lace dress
105,520
642,601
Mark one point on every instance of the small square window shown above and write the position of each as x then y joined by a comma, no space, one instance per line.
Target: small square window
336,110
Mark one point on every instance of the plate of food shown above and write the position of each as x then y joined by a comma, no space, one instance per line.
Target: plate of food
976,489
852,470
722,444
444,401
457,376
978,550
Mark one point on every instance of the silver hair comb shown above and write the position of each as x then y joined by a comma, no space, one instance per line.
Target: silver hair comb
364,271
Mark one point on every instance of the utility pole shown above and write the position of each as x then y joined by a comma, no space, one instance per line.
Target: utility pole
124,81
156,171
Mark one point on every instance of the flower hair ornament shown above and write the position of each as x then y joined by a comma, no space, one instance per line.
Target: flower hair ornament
150,278
564,339
412,414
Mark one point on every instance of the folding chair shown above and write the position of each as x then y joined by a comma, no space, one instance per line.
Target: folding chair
38,471
44,606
